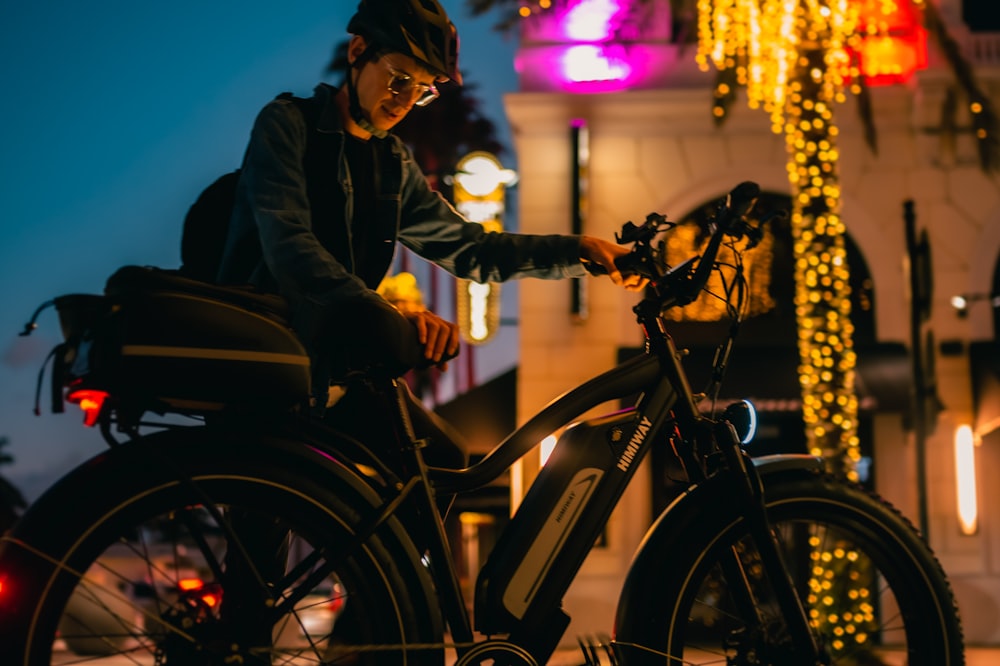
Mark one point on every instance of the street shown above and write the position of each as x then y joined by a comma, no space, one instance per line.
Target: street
975,656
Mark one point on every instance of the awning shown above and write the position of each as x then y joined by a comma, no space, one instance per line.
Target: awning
485,414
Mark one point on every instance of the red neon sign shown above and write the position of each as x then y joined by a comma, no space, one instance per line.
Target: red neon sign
893,45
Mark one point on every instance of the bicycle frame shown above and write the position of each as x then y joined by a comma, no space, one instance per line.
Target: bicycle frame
384,517
538,555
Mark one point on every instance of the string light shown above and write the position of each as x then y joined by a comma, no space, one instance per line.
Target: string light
839,598
794,59
763,40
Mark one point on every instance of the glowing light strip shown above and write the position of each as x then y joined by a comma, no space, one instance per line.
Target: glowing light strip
965,480
214,354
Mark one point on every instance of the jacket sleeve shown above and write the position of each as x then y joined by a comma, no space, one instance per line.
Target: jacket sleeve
273,186
436,231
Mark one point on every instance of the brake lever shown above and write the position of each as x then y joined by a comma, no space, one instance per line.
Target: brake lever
644,233
641,259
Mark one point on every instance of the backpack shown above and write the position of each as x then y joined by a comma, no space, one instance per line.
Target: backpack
206,225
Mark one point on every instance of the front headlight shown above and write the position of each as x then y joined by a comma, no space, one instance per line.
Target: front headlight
743,417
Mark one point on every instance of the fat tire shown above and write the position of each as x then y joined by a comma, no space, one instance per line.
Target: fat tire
659,596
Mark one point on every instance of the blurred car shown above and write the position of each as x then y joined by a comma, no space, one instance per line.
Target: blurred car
125,599
124,594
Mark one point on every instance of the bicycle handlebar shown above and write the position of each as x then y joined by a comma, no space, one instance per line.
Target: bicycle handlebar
681,284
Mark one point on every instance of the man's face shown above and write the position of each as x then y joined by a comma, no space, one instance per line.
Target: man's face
392,85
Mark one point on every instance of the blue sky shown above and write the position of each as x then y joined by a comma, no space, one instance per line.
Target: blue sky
115,114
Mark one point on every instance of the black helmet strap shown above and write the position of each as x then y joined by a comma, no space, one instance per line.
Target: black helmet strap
353,103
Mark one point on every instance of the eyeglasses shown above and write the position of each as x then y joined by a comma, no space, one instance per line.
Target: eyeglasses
401,83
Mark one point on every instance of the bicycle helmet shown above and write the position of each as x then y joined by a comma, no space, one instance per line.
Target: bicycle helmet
418,28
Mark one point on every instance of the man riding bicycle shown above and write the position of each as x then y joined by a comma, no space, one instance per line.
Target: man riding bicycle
327,254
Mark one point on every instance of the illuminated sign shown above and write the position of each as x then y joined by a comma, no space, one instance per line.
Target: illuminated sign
479,196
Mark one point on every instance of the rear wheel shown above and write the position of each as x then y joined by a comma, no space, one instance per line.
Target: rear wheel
246,562
873,591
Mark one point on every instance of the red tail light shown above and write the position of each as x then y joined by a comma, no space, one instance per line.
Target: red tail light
90,401
196,591
189,584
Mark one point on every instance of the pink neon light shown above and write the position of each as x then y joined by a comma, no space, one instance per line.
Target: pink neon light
590,21
584,47
589,62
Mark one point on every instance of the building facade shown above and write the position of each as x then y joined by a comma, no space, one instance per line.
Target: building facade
655,147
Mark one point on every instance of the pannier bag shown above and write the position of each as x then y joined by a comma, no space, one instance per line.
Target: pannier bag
159,341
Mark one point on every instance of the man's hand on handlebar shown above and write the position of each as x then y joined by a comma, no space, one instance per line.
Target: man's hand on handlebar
438,336
602,254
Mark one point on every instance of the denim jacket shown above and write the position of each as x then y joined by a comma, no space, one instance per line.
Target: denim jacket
273,243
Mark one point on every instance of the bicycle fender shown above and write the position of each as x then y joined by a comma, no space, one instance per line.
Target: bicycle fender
712,500
159,458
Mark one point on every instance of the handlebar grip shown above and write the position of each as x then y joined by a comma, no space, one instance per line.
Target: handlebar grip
741,199
626,264
596,269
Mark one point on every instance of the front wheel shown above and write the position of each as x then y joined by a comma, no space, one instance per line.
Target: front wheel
873,591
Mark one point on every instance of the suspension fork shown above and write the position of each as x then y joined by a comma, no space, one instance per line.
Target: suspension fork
766,541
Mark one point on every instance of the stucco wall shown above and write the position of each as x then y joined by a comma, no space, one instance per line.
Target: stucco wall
660,151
